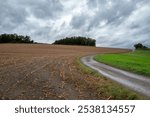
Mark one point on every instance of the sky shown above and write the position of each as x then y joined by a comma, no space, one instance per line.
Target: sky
113,23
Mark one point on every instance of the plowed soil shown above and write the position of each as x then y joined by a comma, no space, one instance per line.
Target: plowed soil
43,71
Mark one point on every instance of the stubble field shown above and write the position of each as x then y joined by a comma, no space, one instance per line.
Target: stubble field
42,71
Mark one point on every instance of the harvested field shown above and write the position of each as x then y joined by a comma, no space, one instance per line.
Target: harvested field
42,71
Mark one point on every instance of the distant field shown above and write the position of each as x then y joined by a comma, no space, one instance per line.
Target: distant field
137,61
43,71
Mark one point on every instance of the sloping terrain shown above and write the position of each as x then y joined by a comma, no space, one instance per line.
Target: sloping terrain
133,81
42,71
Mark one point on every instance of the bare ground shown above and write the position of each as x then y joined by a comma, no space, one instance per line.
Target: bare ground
42,71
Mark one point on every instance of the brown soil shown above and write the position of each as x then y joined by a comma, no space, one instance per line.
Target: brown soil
42,71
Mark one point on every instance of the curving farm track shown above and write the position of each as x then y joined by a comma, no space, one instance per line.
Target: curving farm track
133,81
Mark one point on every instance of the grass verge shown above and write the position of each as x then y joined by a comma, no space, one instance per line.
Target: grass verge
106,88
137,61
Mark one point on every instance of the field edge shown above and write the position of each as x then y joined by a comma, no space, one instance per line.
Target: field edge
109,87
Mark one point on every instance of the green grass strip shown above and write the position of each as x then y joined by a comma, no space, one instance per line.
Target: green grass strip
108,88
137,61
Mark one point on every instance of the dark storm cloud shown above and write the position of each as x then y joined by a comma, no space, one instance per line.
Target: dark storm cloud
42,8
112,11
130,18
10,16
115,23
14,13
78,21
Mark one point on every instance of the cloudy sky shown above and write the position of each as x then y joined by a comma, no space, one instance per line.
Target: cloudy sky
113,23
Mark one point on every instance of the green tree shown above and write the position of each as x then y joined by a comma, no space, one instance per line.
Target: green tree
76,41
140,46
14,38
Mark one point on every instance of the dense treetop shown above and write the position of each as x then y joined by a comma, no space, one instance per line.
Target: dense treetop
140,46
14,38
76,41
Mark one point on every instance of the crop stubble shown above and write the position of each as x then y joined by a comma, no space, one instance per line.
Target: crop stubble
42,71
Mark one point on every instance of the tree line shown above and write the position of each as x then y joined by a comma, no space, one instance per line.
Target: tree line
76,41
14,38
140,46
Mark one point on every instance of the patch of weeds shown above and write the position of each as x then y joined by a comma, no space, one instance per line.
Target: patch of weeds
114,91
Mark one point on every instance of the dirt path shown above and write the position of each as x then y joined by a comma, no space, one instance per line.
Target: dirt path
40,71
133,81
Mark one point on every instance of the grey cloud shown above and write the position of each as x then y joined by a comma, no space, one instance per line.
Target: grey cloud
78,21
11,16
14,15
113,11
134,26
44,8
40,8
114,23
117,18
